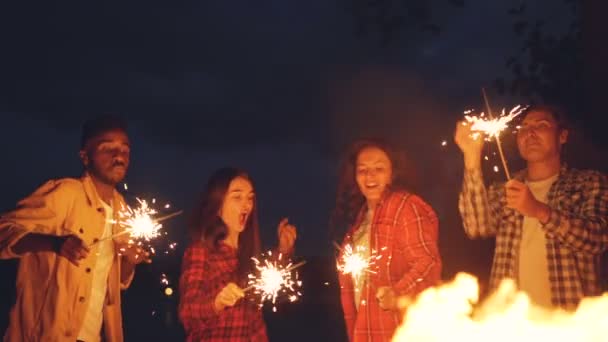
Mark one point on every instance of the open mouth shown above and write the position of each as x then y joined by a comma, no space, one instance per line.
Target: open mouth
372,186
243,218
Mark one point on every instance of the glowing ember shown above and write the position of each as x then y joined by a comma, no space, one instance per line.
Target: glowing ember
507,315
274,279
492,127
164,280
356,262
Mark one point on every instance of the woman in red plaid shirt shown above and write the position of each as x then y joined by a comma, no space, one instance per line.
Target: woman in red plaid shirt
374,212
215,266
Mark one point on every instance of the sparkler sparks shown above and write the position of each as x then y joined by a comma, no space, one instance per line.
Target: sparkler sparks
138,222
356,261
274,279
164,280
492,127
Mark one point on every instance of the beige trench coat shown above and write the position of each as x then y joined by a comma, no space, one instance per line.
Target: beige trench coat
52,293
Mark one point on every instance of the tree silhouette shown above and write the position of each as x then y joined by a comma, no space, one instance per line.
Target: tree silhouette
565,67
548,65
389,17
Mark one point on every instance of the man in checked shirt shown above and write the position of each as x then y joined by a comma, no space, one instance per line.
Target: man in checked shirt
550,221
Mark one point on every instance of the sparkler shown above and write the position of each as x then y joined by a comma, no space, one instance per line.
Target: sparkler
492,127
274,279
139,222
355,261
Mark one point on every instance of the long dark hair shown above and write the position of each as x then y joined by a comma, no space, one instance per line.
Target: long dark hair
349,198
208,227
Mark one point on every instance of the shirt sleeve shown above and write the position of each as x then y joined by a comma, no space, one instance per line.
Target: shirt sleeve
43,212
196,305
479,207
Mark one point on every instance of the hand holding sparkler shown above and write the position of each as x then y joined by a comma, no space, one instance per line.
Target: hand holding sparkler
134,254
228,296
475,126
72,248
470,145
491,127
520,198
387,298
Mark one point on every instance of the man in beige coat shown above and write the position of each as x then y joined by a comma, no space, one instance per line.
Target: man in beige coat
71,271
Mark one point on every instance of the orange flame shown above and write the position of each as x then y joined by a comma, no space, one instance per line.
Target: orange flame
447,313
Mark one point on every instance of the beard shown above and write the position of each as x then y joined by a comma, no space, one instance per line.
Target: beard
110,176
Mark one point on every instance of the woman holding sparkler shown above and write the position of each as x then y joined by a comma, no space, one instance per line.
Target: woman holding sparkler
389,236
216,265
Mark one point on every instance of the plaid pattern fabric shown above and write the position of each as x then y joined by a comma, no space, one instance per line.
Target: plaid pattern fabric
404,232
204,273
577,230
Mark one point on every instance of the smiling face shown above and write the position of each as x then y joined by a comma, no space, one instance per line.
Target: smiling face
106,157
540,138
237,205
373,173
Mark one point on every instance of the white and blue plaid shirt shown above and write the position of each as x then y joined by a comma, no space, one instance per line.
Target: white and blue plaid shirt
576,233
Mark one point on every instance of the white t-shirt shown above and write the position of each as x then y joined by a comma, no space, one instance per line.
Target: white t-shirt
533,265
91,327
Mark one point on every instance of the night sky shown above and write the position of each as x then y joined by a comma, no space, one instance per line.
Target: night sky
274,87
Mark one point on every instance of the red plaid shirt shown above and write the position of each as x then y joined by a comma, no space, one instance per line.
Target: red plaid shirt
204,273
408,228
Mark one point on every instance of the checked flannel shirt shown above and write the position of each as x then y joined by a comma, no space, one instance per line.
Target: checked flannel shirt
404,233
576,233
205,272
